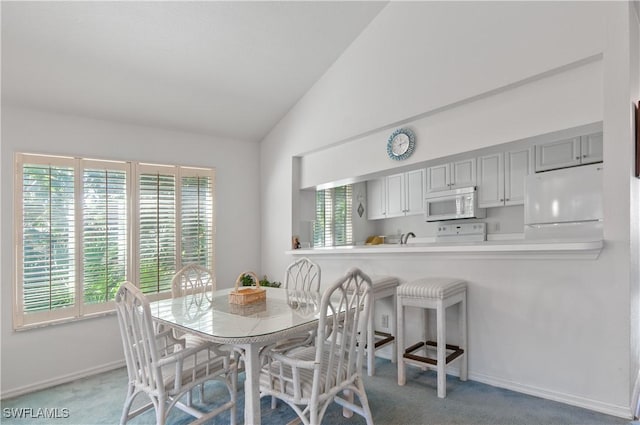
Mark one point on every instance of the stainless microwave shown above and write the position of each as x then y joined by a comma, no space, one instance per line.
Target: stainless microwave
453,204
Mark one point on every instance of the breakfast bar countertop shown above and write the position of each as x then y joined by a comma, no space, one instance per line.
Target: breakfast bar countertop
520,248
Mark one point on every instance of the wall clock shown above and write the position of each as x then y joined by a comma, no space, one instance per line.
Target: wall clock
401,144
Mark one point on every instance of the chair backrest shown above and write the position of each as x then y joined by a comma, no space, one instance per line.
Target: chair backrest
192,279
302,275
138,337
344,315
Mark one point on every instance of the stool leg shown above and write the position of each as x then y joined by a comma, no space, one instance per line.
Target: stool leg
463,337
371,344
441,350
400,342
394,329
424,334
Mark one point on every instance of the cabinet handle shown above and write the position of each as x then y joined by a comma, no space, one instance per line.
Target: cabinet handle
501,200
577,158
507,199
584,156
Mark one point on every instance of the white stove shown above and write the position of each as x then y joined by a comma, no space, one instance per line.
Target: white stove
463,232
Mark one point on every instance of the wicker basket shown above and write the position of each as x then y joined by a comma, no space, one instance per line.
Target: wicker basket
248,295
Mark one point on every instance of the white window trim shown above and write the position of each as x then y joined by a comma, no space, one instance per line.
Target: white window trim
81,310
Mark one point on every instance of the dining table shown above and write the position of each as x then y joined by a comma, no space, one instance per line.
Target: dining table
247,328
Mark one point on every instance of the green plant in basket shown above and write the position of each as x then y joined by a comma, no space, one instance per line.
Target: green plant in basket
247,280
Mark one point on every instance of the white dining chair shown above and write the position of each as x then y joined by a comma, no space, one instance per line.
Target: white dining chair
193,278
162,367
310,378
302,275
302,285
198,281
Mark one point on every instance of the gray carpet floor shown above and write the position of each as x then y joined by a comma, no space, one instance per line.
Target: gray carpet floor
99,400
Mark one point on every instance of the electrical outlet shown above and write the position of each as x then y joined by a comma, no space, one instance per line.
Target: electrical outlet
385,321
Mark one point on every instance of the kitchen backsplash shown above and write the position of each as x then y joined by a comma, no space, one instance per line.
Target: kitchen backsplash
501,220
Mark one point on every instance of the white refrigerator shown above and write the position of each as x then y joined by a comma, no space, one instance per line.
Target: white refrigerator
564,204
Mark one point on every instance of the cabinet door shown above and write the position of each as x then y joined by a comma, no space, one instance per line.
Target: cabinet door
559,154
414,182
517,165
376,199
463,173
438,178
491,180
591,148
395,195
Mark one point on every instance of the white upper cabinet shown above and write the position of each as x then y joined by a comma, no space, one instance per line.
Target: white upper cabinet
415,192
451,175
405,194
463,173
397,195
501,178
438,178
491,180
591,148
569,152
377,199
518,164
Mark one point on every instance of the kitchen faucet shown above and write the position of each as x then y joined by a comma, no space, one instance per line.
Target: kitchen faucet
405,237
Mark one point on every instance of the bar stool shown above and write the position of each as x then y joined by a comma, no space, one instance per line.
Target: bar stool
383,287
438,294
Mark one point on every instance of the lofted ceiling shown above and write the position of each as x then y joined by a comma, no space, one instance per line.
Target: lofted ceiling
230,68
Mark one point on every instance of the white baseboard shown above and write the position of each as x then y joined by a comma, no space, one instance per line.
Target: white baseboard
635,398
572,400
15,392
585,403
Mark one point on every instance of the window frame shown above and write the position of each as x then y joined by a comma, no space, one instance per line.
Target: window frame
329,224
81,309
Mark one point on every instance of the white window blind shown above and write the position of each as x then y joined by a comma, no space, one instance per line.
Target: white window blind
77,220
104,230
157,224
48,225
333,224
196,217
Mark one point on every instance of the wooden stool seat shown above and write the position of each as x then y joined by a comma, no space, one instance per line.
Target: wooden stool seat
437,294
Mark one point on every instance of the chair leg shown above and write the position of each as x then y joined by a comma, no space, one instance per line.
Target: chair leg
463,338
394,329
127,405
371,344
202,393
348,395
161,414
424,333
364,401
441,350
400,342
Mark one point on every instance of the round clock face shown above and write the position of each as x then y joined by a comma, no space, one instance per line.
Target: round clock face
401,144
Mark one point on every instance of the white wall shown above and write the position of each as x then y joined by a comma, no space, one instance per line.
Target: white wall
557,329
52,354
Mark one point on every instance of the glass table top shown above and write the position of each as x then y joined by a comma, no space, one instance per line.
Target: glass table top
212,315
